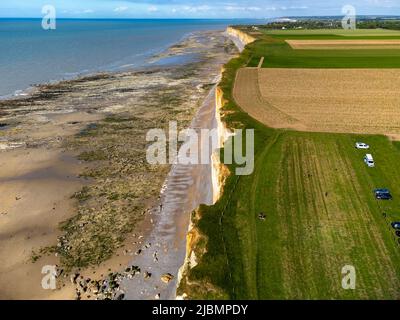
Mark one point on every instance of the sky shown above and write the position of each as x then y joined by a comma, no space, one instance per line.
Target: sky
195,8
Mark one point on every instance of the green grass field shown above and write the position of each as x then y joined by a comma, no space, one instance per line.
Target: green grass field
278,54
321,213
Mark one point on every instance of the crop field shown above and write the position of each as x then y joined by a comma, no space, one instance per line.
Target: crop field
343,44
277,53
322,100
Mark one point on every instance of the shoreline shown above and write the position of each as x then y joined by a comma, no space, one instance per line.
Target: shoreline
106,101
82,75
108,68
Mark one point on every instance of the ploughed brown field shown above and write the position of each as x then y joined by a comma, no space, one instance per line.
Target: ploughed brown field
322,100
343,44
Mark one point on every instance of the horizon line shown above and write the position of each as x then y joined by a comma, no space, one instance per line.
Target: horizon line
233,18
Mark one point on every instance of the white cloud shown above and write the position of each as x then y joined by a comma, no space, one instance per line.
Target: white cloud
86,11
241,8
253,8
293,8
195,9
152,9
120,9
298,8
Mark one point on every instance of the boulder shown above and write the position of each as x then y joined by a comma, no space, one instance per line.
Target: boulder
167,277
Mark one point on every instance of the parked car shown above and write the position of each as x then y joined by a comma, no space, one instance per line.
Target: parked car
362,145
369,160
398,233
396,225
382,194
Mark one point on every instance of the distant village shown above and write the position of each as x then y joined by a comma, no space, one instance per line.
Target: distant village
363,22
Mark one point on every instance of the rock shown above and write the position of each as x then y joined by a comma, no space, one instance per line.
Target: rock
138,252
158,296
74,277
147,275
78,295
60,271
120,297
167,277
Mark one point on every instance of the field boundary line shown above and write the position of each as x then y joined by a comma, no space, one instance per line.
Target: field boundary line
261,63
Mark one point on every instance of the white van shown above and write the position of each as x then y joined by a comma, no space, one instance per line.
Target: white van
369,160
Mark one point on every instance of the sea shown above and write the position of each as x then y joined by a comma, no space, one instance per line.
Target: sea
30,55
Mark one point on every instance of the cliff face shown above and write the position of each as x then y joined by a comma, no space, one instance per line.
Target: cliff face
243,37
220,173
219,170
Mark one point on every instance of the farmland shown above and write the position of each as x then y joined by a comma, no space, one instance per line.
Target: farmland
278,53
343,44
334,32
328,100
311,188
320,216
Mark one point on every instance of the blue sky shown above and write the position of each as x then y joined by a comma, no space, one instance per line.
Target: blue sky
193,8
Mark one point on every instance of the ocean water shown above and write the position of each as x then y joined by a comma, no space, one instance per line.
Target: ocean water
30,55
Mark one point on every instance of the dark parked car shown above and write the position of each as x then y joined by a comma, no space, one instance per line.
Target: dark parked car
396,225
382,194
398,233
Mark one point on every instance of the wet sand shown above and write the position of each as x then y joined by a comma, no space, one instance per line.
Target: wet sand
35,187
